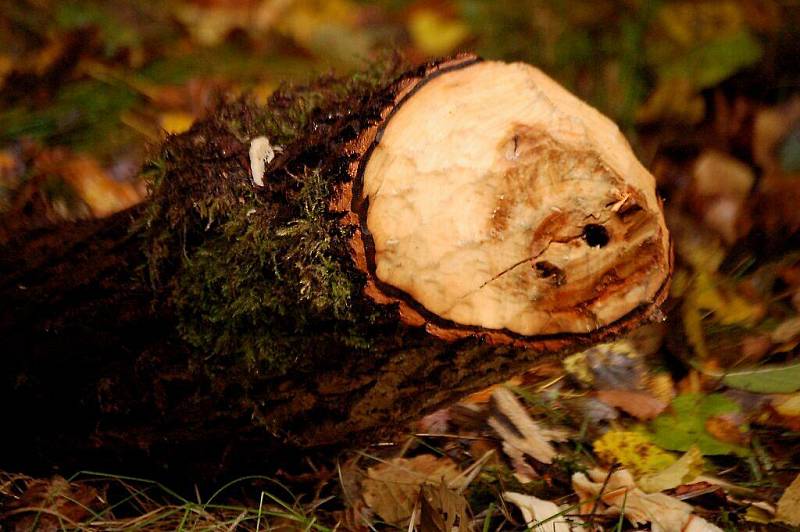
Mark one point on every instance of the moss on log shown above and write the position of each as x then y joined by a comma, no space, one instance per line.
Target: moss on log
221,322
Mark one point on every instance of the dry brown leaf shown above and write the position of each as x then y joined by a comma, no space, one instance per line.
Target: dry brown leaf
95,187
435,423
536,510
391,488
618,493
441,508
789,504
721,185
786,331
518,430
769,128
640,405
728,428
755,347
522,469
718,174
483,396
46,503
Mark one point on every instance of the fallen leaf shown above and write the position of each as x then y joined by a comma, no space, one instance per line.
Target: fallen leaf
577,366
697,246
519,431
93,185
684,425
728,305
174,122
757,514
535,511
729,428
789,151
712,294
708,64
698,524
640,405
661,386
755,347
52,503
787,405
786,331
770,127
634,450
684,470
764,379
436,422
674,100
721,185
441,508
6,66
523,471
483,396
325,27
789,504
716,173
434,34
618,493
616,366
391,488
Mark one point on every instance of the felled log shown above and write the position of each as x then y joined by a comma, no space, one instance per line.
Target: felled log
417,236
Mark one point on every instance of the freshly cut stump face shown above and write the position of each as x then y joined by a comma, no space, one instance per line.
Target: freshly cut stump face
498,200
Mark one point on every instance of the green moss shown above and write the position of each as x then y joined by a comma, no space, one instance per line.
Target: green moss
261,275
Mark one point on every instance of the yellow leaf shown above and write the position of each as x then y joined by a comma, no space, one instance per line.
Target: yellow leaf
787,405
789,504
175,122
103,194
710,294
326,28
435,35
633,450
729,308
208,26
686,469
262,91
578,367
673,100
6,64
687,23
661,386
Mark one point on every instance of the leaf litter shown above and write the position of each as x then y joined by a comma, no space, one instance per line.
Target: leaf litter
690,426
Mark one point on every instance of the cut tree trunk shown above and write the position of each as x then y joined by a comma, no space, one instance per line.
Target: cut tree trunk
418,236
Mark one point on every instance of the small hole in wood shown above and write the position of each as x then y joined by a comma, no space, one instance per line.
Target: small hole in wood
548,270
628,209
595,235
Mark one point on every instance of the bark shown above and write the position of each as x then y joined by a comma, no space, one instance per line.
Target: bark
221,324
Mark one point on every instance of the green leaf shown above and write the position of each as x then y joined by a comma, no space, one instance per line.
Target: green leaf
789,152
684,425
708,64
766,379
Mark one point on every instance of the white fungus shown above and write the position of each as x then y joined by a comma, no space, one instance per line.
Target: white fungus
261,153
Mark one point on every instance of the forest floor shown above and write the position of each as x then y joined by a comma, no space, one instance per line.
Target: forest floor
688,424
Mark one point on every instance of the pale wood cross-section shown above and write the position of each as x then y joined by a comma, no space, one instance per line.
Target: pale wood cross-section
497,200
